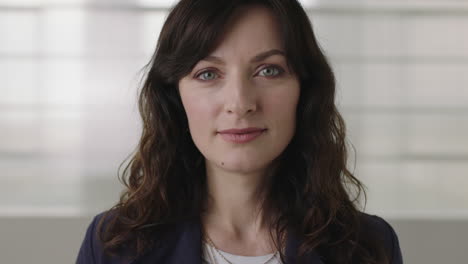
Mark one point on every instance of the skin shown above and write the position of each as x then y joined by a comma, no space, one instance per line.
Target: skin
235,92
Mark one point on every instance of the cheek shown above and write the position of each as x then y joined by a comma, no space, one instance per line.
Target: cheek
198,114
282,111
283,104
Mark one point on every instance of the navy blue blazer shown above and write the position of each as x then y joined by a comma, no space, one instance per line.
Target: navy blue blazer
184,245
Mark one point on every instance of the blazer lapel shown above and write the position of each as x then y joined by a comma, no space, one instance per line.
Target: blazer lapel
188,249
181,245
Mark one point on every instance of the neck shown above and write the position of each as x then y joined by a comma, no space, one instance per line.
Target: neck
235,201
234,211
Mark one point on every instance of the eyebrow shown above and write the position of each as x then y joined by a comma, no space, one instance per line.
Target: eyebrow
259,57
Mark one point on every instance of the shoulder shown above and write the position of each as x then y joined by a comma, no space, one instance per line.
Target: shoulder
91,250
383,231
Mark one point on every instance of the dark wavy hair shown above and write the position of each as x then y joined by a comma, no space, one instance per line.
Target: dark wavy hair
311,188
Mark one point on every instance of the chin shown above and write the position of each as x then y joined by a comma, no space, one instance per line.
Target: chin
251,166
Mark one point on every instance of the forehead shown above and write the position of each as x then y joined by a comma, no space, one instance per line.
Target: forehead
251,29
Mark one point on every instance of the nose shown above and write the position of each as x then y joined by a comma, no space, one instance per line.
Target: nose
240,97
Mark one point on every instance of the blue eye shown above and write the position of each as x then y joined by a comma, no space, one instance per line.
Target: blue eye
271,71
207,75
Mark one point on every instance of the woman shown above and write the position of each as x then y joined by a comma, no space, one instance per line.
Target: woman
242,158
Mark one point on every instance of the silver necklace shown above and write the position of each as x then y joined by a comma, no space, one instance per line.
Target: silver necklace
219,252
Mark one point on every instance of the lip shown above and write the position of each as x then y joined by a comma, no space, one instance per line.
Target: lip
241,135
241,131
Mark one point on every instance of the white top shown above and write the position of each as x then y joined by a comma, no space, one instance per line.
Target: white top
211,256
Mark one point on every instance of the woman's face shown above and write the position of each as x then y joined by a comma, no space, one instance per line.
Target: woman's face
244,83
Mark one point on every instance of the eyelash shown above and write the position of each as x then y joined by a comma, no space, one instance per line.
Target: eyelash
278,68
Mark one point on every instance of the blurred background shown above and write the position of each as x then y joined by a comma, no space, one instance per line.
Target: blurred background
69,75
